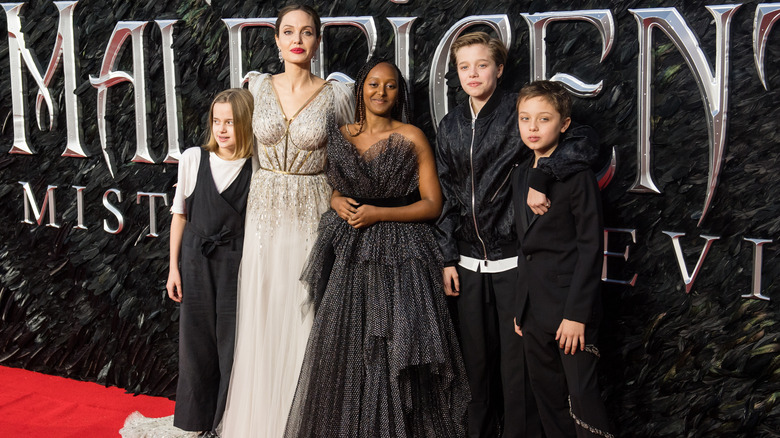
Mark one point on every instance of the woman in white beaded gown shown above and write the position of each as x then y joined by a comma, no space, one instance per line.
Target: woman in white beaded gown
288,194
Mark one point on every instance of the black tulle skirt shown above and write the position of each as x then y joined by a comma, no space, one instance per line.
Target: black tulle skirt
382,359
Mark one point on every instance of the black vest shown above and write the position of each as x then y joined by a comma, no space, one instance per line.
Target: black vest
215,219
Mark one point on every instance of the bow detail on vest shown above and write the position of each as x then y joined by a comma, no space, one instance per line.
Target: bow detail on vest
210,243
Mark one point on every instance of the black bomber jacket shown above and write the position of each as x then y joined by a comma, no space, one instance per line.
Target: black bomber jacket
475,160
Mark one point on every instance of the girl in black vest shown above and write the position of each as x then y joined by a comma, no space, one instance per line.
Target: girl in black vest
207,234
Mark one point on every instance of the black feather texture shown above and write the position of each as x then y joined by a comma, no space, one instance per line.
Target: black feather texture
90,305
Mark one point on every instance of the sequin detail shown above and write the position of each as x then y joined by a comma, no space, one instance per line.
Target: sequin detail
592,349
382,358
586,426
138,426
289,186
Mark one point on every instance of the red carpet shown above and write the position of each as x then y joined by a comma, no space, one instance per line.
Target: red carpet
34,405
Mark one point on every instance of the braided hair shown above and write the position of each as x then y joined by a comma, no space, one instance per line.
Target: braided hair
400,109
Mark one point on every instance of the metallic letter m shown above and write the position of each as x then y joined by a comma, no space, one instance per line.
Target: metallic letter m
64,47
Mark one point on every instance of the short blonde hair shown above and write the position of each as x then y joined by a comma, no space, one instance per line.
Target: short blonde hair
242,103
495,46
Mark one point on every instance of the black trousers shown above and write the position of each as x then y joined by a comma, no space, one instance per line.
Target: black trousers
566,386
494,357
207,331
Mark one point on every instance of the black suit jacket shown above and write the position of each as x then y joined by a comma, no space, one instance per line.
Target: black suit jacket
560,253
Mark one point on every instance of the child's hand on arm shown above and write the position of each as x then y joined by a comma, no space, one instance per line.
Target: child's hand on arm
344,207
537,201
518,330
570,335
365,216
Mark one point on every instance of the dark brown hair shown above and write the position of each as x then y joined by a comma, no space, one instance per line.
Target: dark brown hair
241,102
552,92
305,8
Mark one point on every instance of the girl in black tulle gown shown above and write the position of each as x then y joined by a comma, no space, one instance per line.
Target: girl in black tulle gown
382,358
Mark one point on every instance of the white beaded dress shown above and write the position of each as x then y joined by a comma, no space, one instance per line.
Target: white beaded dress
288,194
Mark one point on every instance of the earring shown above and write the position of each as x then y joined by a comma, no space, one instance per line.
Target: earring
281,58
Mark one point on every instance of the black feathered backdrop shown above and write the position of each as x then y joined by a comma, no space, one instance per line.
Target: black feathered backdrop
92,306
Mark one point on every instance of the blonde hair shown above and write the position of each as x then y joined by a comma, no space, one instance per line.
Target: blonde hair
241,103
495,46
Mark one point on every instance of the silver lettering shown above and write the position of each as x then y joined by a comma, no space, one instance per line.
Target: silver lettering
49,202
118,214
109,77
64,47
402,30
365,24
688,279
152,209
235,44
79,208
607,253
537,27
713,87
172,107
758,255
764,20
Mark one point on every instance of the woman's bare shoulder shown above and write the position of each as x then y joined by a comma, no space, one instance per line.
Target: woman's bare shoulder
414,134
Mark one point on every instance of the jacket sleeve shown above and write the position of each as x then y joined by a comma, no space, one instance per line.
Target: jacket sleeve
448,220
577,151
585,285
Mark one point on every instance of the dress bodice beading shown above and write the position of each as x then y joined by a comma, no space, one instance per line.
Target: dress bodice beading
294,145
287,196
289,185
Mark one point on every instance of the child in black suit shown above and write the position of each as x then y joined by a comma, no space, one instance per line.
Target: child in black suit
559,267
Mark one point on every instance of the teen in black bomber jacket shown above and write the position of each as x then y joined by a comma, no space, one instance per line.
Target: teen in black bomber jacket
478,148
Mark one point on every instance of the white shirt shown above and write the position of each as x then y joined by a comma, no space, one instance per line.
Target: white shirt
487,266
223,172
471,108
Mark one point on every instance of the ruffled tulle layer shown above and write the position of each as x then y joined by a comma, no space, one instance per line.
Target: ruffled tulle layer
382,359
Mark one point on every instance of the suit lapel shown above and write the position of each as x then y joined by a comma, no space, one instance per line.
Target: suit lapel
533,221
523,207
521,177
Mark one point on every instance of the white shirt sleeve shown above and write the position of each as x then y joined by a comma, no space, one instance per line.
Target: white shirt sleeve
188,175
223,173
